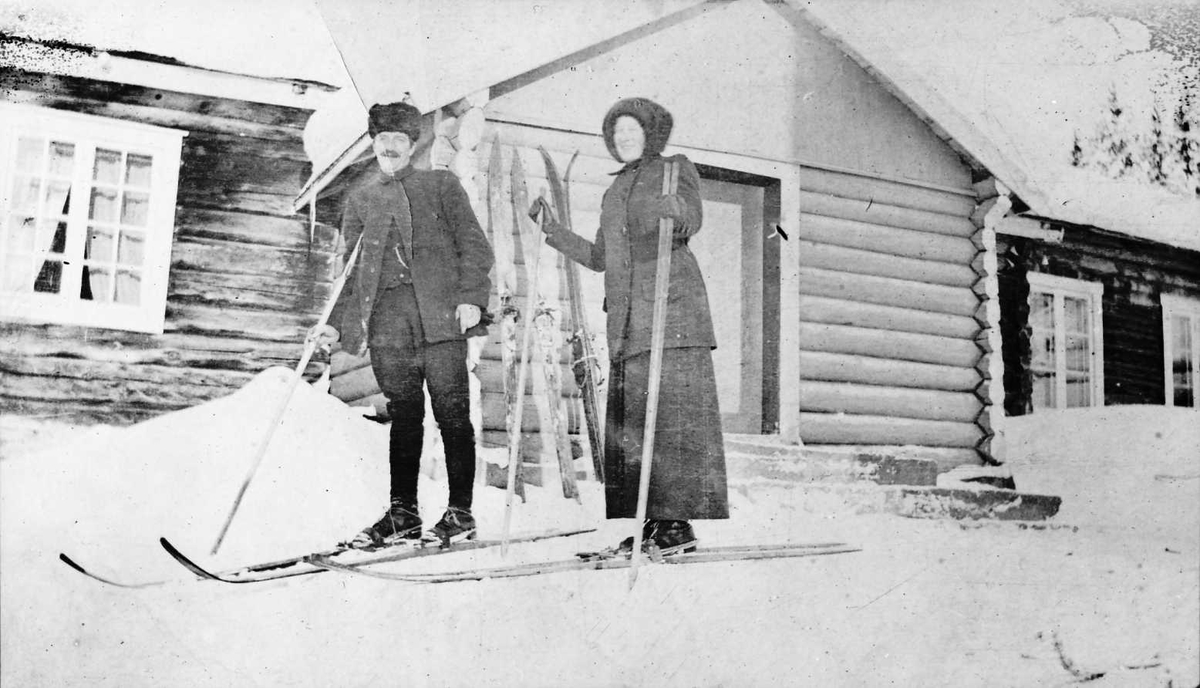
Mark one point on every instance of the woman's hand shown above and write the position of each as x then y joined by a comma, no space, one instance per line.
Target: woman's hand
551,226
673,207
670,206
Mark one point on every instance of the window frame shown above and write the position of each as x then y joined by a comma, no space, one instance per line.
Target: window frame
87,133
1177,304
1093,292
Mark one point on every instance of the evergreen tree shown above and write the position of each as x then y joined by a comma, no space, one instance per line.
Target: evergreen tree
1186,143
1156,164
1168,155
1109,148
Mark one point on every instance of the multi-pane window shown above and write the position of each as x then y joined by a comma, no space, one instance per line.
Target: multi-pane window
1067,342
87,210
1181,349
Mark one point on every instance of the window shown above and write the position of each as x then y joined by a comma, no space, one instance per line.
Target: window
1181,348
1067,341
87,214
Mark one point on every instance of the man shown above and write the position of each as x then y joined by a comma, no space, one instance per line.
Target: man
416,293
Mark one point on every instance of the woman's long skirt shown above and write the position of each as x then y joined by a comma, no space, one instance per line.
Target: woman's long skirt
687,478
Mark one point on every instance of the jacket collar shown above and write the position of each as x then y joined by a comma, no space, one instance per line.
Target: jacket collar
634,164
385,178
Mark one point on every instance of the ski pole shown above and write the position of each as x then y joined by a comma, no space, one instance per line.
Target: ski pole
514,440
662,284
310,346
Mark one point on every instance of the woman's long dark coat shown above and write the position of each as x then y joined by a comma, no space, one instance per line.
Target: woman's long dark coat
688,476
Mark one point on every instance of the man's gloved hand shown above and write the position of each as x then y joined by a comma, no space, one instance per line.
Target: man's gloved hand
468,316
324,336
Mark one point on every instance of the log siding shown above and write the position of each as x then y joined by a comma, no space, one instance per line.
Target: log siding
889,329
247,277
1135,274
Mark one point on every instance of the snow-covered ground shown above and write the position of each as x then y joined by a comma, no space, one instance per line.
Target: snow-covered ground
1109,589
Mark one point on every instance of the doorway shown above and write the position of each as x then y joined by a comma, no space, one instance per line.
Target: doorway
738,253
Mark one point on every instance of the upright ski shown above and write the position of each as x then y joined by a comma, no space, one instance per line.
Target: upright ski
584,364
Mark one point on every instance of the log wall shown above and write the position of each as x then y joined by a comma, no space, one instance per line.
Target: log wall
889,334
247,276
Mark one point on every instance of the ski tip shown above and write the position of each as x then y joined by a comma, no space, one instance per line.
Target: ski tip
71,562
186,562
107,581
178,555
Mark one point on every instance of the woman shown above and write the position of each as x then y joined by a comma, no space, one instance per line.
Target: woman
688,471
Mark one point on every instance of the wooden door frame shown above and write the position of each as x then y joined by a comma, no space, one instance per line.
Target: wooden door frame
785,177
761,262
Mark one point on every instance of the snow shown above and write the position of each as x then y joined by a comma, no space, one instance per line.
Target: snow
268,38
1109,586
1014,81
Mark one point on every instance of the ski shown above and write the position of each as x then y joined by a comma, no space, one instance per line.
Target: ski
612,553
546,340
583,356
106,579
265,567
312,563
699,556
502,229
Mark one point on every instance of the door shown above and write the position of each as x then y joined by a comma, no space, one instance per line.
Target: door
730,252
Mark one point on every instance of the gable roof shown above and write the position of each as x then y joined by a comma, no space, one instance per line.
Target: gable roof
435,53
398,50
959,64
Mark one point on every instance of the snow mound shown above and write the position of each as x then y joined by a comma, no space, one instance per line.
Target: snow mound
111,494
1126,466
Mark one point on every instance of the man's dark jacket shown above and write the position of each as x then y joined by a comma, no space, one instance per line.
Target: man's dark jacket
450,255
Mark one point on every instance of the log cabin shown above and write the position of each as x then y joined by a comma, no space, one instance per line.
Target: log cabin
872,296
150,257
881,273
1091,317
871,251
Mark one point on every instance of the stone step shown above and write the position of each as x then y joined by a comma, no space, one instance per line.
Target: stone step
956,503
750,456
832,480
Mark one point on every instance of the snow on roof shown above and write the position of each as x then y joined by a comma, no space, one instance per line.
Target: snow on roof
284,39
1012,82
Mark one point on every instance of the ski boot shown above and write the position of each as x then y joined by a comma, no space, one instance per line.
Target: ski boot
660,538
401,522
456,525
668,537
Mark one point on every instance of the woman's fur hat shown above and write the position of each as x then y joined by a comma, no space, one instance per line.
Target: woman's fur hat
656,124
